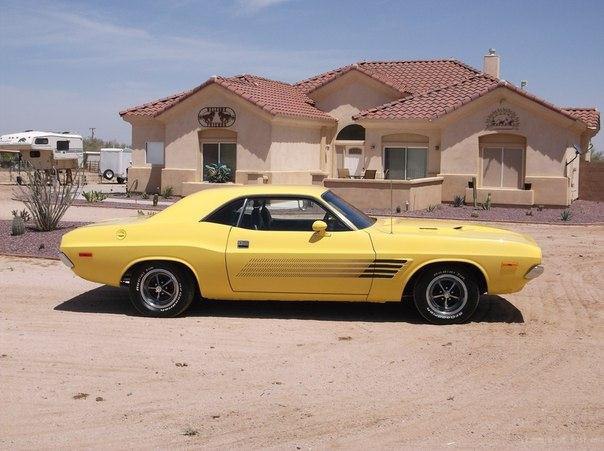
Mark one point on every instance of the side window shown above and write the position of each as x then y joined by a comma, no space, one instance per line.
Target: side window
287,214
227,214
62,145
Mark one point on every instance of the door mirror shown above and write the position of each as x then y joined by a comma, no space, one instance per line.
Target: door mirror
320,227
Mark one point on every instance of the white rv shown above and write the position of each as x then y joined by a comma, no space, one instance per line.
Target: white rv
45,149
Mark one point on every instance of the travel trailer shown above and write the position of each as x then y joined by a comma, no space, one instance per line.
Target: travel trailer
46,150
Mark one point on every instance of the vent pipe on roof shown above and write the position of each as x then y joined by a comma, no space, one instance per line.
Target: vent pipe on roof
491,64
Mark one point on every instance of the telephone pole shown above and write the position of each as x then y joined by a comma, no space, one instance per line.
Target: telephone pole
92,129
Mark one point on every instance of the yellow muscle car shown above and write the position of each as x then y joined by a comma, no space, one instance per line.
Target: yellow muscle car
298,243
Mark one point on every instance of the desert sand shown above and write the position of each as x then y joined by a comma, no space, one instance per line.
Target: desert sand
79,369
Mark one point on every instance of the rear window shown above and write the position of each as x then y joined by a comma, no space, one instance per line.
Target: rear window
227,214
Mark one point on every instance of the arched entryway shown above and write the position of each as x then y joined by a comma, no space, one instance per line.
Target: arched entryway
350,142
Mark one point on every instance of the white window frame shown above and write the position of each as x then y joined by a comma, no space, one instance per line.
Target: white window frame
502,147
203,163
163,152
405,147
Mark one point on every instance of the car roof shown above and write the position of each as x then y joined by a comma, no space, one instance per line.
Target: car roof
202,203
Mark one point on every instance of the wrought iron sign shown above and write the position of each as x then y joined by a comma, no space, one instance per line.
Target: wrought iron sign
216,116
503,118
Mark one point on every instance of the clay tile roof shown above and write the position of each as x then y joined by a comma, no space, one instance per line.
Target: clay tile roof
275,97
441,101
414,77
591,116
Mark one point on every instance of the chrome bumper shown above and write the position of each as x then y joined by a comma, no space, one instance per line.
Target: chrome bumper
534,272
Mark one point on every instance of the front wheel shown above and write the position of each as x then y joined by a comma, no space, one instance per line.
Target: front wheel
161,289
446,295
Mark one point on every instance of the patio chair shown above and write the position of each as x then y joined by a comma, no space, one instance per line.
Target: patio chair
369,174
343,173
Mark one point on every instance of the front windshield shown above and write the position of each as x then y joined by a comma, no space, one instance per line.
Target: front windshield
354,215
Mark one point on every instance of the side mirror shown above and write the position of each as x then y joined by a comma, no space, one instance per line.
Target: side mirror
319,227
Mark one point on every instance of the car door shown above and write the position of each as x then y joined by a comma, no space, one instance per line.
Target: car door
273,249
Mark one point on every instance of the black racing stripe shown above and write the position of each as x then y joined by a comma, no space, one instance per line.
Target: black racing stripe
382,260
376,276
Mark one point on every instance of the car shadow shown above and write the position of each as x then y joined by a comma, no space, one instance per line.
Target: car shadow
111,300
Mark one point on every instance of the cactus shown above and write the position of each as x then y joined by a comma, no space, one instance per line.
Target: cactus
458,201
487,203
474,192
18,226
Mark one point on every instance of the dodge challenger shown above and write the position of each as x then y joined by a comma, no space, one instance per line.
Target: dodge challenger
270,242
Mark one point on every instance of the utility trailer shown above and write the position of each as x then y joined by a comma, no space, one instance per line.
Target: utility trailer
115,163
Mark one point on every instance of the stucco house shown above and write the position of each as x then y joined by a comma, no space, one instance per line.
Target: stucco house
419,130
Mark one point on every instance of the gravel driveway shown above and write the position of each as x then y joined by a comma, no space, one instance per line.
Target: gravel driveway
78,369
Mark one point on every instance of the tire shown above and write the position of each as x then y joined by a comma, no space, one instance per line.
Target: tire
108,174
177,285
446,294
120,180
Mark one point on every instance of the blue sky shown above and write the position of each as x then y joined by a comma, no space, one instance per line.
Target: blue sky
73,65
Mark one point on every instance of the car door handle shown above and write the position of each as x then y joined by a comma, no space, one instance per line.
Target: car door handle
243,244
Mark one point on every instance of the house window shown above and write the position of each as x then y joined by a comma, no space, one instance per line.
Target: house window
502,167
405,163
154,153
352,132
224,153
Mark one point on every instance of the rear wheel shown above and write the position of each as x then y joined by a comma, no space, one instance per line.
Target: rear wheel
161,289
120,180
446,295
108,174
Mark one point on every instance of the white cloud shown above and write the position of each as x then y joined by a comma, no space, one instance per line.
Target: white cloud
253,6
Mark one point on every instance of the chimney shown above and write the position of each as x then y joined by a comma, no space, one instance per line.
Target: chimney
491,64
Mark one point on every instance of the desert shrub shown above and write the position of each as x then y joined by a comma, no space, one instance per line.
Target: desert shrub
144,195
566,215
45,198
218,173
459,201
167,192
432,207
93,196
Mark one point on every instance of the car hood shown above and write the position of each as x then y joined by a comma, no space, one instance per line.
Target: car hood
454,229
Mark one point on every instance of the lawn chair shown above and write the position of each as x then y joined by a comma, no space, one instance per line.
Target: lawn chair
343,173
369,174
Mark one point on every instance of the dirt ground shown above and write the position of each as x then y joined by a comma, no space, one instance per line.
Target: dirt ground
79,369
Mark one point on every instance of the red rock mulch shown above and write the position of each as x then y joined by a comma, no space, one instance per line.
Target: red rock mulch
583,212
33,243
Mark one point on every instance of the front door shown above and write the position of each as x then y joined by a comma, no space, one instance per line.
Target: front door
274,250
353,160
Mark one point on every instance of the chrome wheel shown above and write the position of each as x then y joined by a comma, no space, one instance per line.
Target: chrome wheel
447,294
159,289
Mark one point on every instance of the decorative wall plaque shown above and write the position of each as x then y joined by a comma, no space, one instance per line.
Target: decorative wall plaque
216,116
503,118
